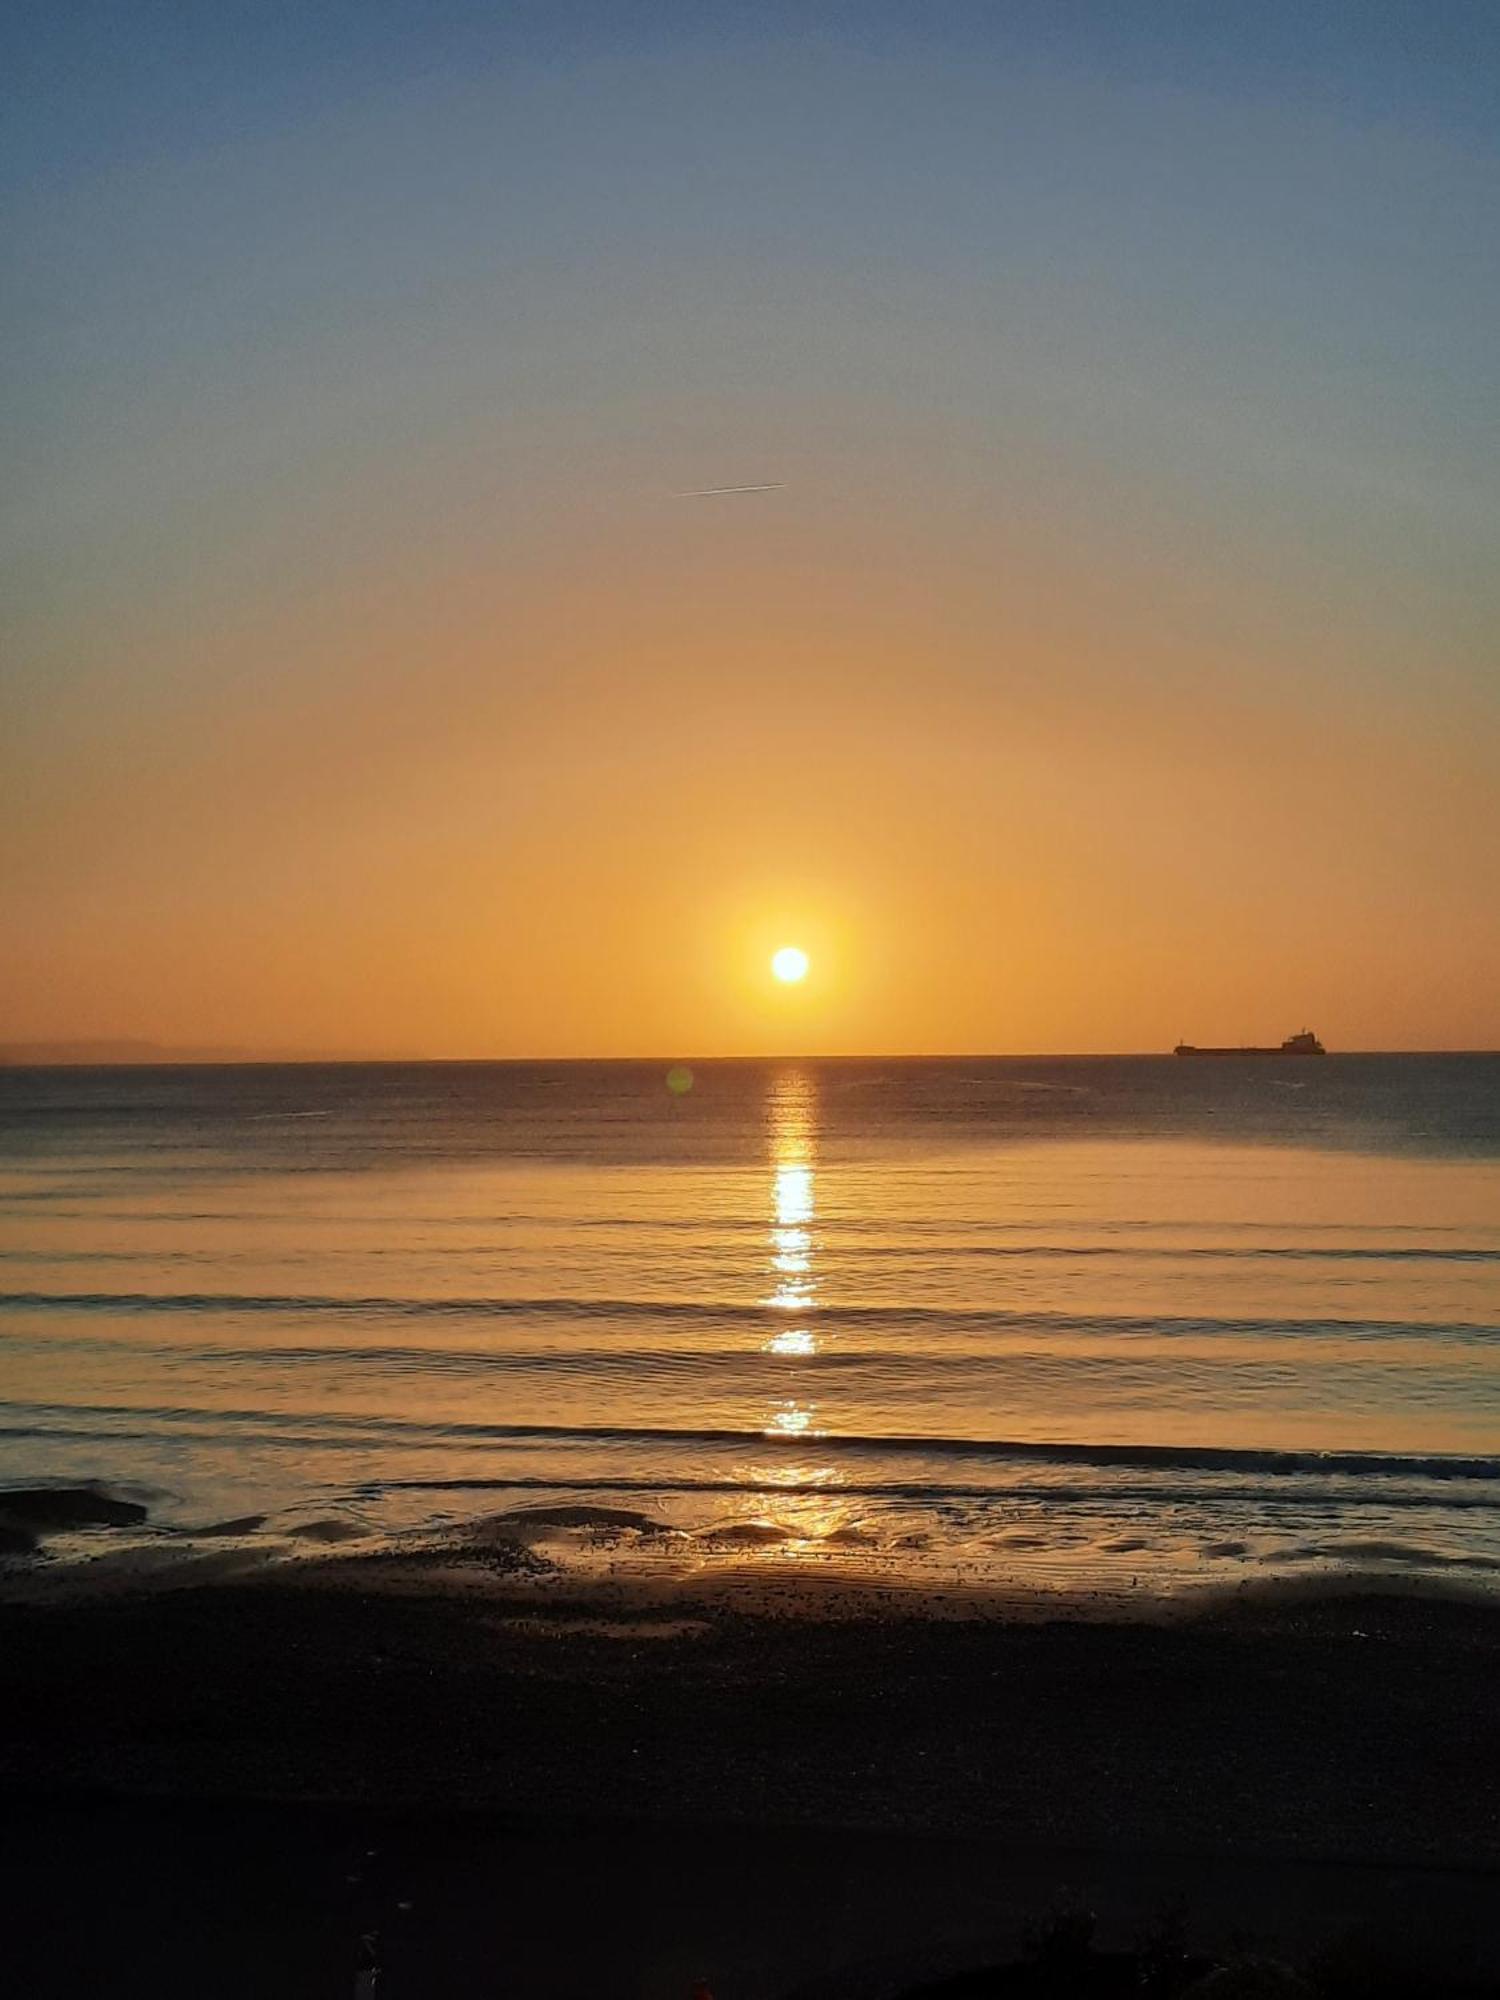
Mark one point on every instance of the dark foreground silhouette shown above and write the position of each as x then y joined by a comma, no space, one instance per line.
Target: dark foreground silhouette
229,1789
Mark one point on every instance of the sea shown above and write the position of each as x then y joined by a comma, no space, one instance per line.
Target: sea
1099,1323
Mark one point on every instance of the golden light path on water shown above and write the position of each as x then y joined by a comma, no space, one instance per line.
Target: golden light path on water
799,1496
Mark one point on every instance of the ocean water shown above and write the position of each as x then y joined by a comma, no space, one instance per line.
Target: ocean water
1118,1322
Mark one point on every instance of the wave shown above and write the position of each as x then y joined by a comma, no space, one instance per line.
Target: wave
1229,1253
1109,1497
839,1223
1395,1253
860,1370
733,1312
1145,1457
1048,1495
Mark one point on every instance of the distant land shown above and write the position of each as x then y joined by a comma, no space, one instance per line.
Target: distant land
42,1055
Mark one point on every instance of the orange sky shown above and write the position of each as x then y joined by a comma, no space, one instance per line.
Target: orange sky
997,820
1110,665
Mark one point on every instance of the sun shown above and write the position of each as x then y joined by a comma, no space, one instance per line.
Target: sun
790,964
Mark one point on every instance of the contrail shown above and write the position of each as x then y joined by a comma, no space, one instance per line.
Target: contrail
711,492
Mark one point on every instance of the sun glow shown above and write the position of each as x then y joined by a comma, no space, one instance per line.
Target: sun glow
790,964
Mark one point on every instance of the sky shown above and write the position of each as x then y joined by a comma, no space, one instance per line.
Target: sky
1112,659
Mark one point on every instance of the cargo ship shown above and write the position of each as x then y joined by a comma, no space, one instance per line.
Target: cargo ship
1305,1044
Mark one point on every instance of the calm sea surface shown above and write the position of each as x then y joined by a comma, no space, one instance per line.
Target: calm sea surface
1097,1318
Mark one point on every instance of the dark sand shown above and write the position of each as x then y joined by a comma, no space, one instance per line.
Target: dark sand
584,1796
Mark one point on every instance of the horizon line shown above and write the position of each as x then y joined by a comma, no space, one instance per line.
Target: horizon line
189,1060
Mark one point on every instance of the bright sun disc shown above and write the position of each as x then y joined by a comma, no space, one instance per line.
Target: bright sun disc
790,964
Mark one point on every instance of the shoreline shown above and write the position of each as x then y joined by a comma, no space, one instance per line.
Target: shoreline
75,1545
527,1574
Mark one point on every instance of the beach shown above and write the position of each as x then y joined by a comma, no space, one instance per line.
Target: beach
1292,1767
1341,1727
299,1757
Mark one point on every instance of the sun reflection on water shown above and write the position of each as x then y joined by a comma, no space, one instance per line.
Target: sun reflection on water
802,1497
791,1250
790,1419
791,1124
796,1340
794,1190
791,1119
